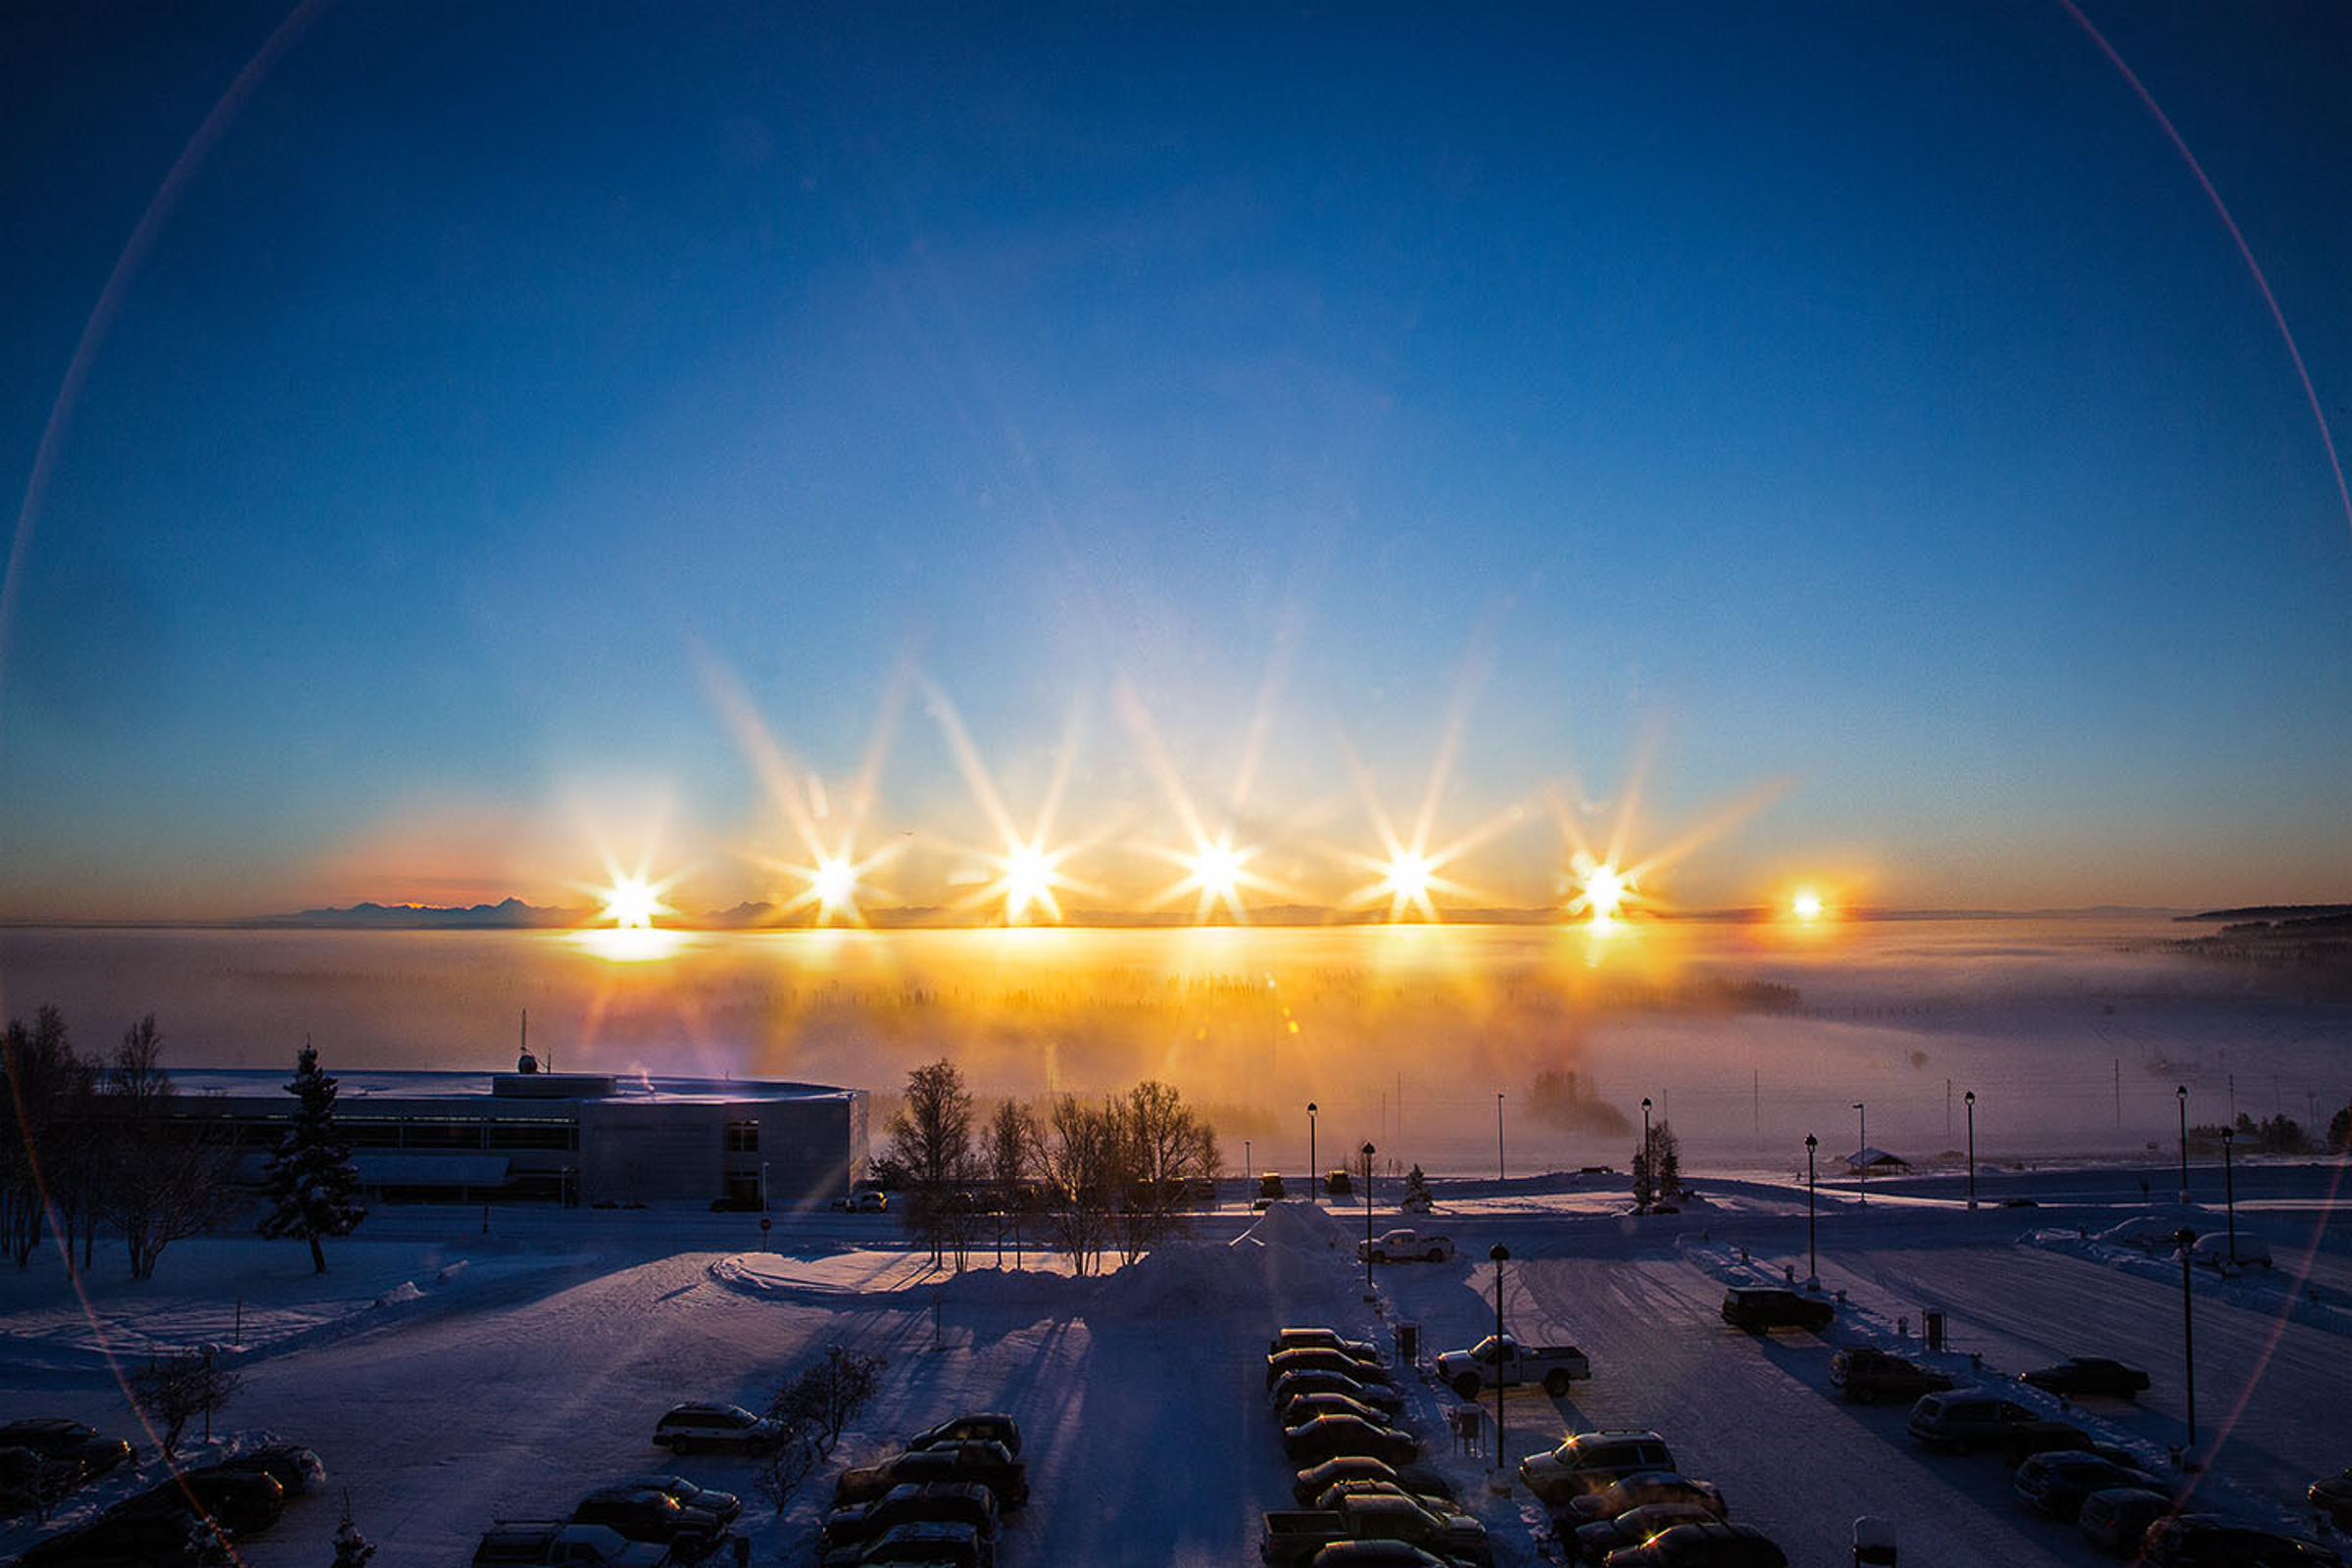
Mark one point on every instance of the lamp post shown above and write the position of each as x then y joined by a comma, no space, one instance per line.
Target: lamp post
1312,1182
1249,1170
1971,1098
2188,1342
1498,1177
2230,1190
1862,1154
1502,1255
2182,1094
1368,1153
1649,1166
1812,1255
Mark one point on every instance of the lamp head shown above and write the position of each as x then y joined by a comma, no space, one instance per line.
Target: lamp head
1500,1253
1970,1097
1812,1142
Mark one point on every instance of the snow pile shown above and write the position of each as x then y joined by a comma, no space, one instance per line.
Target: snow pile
405,1290
1184,1279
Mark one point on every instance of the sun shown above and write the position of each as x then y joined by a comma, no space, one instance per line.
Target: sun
1602,889
1806,906
1217,870
632,901
1029,880
835,884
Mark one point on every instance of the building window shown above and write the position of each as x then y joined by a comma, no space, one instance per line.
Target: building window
743,1137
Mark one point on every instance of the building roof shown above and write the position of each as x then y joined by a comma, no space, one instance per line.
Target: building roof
356,1088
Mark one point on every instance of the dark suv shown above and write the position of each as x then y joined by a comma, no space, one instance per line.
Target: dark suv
644,1513
1866,1375
1590,1462
1756,1308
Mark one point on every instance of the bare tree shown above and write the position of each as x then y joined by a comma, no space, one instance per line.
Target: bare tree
1012,1139
1165,1148
166,1178
42,1168
827,1396
175,1391
785,1468
931,1138
1079,1157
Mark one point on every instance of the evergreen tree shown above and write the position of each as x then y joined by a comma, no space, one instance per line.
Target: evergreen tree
312,1184
352,1549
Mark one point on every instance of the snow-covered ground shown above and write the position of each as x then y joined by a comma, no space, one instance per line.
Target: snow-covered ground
450,1376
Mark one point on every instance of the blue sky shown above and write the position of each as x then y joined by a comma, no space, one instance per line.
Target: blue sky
1862,406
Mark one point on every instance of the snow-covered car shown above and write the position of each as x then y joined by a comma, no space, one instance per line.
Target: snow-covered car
1505,1362
1306,1406
528,1543
2057,1482
703,1428
2214,1249
1417,1479
1965,1418
1595,1541
2118,1518
1642,1487
1590,1461
1322,1339
57,1439
1280,1366
1712,1544
2079,1375
987,1426
291,1465
988,1464
850,1528
1295,1385
2332,1496
2221,1541
931,1543
1406,1247
1328,1436
724,1506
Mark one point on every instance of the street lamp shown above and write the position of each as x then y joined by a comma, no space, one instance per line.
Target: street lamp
1649,1164
2182,1092
1368,1153
1249,1170
1498,1177
1812,1256
1862,1154
2230,1190
1502,1255
2188,1342
1311,1183
1971,1098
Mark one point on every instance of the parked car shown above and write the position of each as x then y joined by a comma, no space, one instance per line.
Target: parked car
538,1541
1328,1436
1321,1339
703,1428
724,1506
1375,1554
1406,1246
1332,1495
1594,1542
1590,1461
1504,1362
1386,1401
2214,1249
871,1203
1292,1539
1641,1488
2118,1518
2057,1482
1702,1545
1306,1406
55,1437
852,1528
134,1539
1758,1308
988,1427
643,1513
1867,1376
931,1543
990,1464
291,1465
2079,1375
2332,1496
1962,1419
1309,1483
2217,1540
2026,1439
240,1501
1321,1360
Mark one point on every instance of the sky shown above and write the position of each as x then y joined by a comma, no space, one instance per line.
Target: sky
458,451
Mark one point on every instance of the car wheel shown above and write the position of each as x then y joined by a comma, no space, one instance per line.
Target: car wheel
1555,1384
1865,1395
1435,1256
681,1444
1466,1384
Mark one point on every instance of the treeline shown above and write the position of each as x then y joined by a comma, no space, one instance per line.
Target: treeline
1083,1175
94,1143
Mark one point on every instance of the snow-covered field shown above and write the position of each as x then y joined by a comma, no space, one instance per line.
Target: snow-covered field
450,1376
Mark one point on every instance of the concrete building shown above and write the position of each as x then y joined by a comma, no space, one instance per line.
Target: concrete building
567,1138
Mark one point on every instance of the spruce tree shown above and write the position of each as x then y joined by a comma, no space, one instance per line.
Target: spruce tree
312,1184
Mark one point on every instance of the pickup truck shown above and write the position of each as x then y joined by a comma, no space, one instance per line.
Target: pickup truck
1292,1537
1866,1375
1508,1363
553,1542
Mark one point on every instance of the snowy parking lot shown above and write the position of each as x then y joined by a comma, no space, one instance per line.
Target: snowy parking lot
449,1378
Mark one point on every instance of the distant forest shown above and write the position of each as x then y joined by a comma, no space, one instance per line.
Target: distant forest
2314,938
